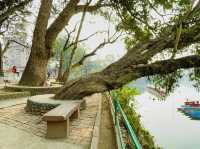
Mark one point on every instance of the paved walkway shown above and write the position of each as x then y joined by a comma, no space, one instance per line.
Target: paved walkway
107,134
20,130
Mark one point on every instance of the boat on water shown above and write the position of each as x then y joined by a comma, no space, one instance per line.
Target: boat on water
192,103
191,109
195,114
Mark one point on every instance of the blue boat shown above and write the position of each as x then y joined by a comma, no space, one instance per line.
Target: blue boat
191,109
195,114
187,110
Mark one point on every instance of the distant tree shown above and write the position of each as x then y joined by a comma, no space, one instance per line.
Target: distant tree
12,25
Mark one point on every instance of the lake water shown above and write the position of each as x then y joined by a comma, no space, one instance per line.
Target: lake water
171,129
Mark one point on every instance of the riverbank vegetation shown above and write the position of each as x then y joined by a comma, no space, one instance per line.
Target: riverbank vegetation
128,104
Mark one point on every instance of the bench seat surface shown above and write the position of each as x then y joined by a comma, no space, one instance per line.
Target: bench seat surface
62,112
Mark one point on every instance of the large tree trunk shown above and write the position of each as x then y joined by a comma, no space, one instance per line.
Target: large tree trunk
36,68
35,72
82,87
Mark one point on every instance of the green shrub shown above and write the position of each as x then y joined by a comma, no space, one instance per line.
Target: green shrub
127,101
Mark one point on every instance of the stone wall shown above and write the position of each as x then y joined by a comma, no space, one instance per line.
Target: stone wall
37,108
33,90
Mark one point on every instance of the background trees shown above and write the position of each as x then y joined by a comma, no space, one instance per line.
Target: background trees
12,25
43,38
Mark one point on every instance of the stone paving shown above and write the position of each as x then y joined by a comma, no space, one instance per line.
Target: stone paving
80,130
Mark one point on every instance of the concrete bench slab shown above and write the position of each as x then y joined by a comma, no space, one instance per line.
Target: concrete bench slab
58,119
40,104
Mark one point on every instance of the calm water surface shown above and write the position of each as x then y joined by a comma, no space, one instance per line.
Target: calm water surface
171,129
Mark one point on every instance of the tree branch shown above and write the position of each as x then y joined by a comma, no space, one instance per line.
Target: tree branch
13,9
9,42
91,8
62,20
6,47
110,40
167,66
19,43
81,40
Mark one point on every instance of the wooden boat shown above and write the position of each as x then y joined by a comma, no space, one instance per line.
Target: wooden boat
192,103
191,109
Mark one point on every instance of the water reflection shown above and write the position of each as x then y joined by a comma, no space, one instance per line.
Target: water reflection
171,129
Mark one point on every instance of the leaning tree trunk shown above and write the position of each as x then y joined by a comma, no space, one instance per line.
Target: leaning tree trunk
134,65
80,88
36,68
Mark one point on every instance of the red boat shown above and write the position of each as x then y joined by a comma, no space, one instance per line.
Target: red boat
192,103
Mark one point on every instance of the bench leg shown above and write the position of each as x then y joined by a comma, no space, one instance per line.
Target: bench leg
83,105
76,114
57,129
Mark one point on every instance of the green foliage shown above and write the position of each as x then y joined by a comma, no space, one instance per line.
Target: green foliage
195,76
126,94
168,82
143,20
59,46
88,66
127,101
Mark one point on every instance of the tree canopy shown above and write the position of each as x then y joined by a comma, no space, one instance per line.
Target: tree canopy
147,38
161,38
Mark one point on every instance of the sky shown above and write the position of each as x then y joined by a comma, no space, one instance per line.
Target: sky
93,24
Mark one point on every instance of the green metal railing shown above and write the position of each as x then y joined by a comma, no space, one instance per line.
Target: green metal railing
117,111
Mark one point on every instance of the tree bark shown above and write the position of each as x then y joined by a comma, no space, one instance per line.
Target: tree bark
60,71
36,68
65,75
1,60
35,71
61,21
105,80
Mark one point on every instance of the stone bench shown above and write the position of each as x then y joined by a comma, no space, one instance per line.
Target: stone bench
58,119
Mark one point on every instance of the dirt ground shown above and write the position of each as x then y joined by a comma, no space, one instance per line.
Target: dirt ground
107,135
